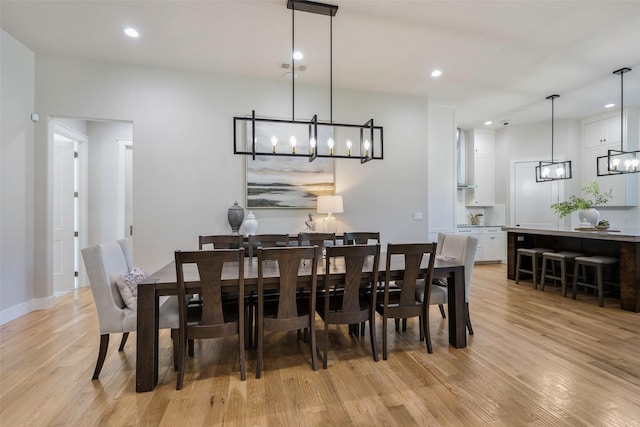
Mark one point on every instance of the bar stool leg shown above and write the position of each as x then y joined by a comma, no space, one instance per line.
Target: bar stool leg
563,275
544,269
518,268
575,279
600,286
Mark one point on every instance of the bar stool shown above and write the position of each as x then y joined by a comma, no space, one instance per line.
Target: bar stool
535,254
598,262
563,258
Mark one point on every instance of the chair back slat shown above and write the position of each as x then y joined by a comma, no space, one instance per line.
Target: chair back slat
361,237
223,241
316,239
267,241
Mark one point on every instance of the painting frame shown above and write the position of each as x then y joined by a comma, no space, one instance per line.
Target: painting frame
282,182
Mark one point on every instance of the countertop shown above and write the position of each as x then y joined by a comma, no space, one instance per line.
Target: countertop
627,235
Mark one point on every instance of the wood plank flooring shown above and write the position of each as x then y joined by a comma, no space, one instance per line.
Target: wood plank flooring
536,359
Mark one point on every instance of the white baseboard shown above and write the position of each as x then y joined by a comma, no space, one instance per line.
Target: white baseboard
12,313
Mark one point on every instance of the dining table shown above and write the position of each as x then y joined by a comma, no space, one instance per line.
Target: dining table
164,283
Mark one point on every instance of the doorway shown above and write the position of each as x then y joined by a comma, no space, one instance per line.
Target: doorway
531,200
91,192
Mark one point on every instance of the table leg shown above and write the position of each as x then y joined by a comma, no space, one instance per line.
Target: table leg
147,339
456,307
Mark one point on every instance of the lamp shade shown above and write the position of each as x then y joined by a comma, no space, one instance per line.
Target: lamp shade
330,204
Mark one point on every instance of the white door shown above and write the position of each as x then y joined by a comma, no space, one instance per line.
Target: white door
64,262
531,200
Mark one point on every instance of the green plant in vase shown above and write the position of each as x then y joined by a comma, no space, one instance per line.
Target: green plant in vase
592,198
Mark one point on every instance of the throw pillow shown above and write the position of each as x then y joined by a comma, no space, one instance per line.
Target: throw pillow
128,286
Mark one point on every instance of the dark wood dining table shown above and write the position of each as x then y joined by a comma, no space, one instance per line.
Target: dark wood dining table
163,282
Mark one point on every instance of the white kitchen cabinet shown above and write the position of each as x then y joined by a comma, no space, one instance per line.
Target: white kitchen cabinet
491,243
601,134
480,159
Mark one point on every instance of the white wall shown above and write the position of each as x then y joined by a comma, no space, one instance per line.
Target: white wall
105,208
16,179
185,175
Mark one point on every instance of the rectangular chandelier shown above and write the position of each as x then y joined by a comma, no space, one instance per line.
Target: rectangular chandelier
553,171
253,136
257,136
618,162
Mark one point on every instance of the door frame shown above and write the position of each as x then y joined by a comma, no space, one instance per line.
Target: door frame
83,187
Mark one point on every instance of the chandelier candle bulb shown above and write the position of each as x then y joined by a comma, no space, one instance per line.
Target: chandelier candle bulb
349,145
367,146
293,141
274,142
330,144
312,145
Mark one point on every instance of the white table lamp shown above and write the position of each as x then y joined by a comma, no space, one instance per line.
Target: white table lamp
330,205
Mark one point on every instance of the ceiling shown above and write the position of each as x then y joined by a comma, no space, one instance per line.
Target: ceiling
500,59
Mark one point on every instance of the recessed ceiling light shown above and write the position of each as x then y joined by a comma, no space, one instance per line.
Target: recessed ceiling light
131,32
488,122
297,55
609,105
436,73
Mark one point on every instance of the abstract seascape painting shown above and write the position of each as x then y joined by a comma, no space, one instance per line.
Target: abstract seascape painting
287,182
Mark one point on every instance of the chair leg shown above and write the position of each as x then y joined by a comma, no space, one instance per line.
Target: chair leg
441,307
421,328
372,335
384,338
260,346
104,344
404,325
427,333
544,271
191,345
175,339
397,325
468,318
241,344
519,257
325,344
312,332
362,327
125,335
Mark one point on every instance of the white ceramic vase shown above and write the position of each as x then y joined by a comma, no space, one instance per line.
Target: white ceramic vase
589,216
250,224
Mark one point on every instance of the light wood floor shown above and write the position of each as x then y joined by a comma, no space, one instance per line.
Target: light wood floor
537,359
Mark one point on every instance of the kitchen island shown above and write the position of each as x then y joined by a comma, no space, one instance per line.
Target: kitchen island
623,244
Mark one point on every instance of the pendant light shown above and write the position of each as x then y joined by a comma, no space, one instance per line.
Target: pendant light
553,171
619,161
316,139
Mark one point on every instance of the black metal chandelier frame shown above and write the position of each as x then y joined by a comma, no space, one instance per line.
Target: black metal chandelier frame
619,161
544,168
370,147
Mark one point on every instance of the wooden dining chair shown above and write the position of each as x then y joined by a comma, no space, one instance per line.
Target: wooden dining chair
361,238
317,239
351,300
267,241
221,241
404,303
215,317
279,269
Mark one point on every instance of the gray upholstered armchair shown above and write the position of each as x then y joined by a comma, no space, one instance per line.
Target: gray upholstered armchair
463,249
105,263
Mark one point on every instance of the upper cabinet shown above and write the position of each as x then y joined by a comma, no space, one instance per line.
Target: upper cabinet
600,134
603,131
480,159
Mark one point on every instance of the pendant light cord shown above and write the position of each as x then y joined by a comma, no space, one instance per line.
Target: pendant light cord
621,109
293,66
331,69
552,116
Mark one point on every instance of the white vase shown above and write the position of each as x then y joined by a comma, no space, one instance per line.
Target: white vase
589,216
250,224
